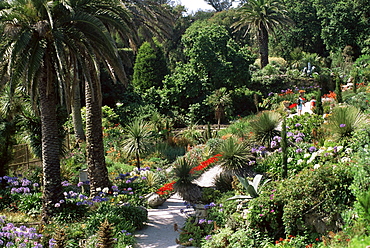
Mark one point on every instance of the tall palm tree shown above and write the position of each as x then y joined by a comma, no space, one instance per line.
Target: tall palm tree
42,42
28,53
263,17
118,17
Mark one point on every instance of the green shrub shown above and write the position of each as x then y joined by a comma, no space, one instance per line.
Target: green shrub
30,204
323,192
235,156
127,218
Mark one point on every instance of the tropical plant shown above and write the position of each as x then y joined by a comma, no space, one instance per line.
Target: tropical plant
264,126
252,188
220,101
344,120
235,156
263,17
184,185
137,139
31,52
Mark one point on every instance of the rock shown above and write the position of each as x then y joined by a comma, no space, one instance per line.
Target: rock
154,200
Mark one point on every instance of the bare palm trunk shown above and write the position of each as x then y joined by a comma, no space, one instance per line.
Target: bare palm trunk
52,188
263,40
76,115
97,170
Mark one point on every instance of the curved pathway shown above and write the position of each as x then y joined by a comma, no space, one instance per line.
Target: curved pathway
160,230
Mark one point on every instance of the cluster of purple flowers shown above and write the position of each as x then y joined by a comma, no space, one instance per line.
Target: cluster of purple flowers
12,236
19,185
297,136
123,177
260,150
312,149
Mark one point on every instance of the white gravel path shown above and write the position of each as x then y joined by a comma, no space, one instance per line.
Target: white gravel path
159,232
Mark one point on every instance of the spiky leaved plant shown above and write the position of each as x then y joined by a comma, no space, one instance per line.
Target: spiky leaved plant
264,126
235,156
105,234
344,120
184,185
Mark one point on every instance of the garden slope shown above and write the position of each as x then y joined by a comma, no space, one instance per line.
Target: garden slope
160,230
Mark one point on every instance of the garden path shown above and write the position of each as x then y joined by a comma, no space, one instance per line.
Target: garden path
160,230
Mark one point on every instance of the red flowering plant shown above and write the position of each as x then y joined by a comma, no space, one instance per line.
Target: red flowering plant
203,165
168,188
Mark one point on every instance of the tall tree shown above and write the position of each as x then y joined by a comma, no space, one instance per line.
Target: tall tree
28,53
262,17
220,5
150,66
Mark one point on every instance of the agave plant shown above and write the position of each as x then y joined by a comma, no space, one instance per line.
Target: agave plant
251,187
264,126
344,120
184,185
235,156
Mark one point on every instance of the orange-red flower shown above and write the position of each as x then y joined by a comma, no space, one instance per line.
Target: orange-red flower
205,164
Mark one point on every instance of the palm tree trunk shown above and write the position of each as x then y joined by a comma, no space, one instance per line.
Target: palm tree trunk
97,170
52,190
263,40
76,115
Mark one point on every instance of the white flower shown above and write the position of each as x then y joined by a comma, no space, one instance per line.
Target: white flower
316,166
321,150
98,189
106,190
133,173
330,149
312,158
348,151
339,148
345,159
306,155
290,160
300,161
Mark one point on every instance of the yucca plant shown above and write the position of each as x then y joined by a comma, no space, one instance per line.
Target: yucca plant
344,120
264,126
138,139
235,156
184,185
